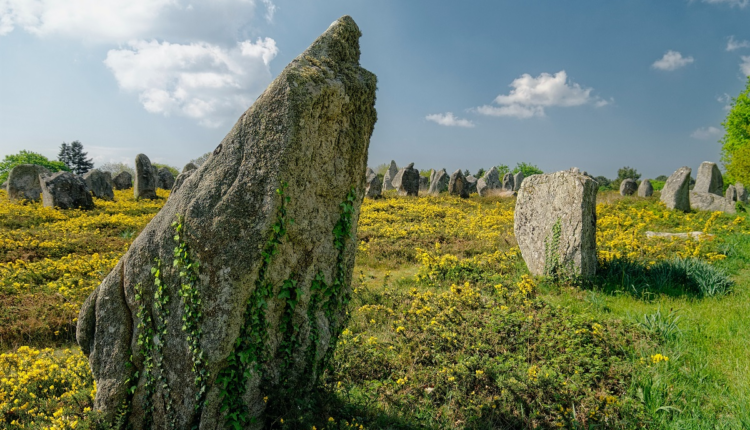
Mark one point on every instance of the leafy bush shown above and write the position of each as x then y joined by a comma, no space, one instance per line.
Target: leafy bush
528,169
658,185
173,170
735,144
28,157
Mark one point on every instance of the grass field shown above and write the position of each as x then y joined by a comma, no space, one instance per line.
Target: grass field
447,329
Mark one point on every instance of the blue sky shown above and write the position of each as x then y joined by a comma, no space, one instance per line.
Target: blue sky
585,83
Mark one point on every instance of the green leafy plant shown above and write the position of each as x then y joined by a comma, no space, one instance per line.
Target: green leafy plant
28,157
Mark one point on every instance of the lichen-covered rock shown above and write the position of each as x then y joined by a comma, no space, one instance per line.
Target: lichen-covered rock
508,182
490,181
645,189
517,180
432,177
676,191
711,202
145,178
424,183
188,167
274,235
408,181
741,192
396,181
439,183
99,184
457,185
123,181
471,183
23,182
628,187
555,223
389,175
65,190
731,193
166,180
709,179
373,186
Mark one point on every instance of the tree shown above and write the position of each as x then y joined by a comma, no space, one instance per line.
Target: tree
200,160
116,168
74,157
466,173
28,157
628,173
737,138
603,182
662,178
528,169
171,169
502,169
480,173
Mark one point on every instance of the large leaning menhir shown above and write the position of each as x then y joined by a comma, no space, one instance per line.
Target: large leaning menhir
270,218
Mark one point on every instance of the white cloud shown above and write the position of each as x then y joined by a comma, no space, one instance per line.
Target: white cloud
733,44
103,21
726,99
530,96
672,60
738,3
199,80
707,133
745,65
449,120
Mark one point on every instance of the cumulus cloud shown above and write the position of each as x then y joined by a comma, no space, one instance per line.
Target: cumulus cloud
199,80
531,95
745,65
738,3
707,133
449,120
672,60
106,21
726,99
733,44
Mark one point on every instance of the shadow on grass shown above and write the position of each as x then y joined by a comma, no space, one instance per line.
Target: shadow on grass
677,277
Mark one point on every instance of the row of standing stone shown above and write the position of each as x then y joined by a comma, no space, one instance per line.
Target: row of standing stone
408,182
66,190
707,194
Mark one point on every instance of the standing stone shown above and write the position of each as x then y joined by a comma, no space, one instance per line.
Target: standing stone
65,190
457,185
439,183
155,171
372,184
396,181
517,179
676,191
23,182
471,183
408,181
741,192
489,182
645,189
424,183
389,175
731,194
709,179
269,295
555,223
188,167
508,182
432,176
628,187
123,181
166,180
145,178
99,184
711,202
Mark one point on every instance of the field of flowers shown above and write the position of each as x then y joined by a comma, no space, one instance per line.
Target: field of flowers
447,329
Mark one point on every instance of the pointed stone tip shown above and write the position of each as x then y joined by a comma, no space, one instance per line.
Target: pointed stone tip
340,42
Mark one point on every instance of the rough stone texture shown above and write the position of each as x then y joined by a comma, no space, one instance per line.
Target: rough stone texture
65,190
676,191
508,182
155,172
711,202
99,184
709,180
123,181
696,235
309,129
517,180
373,186
645,189
741,192
23,182
424,183
490,181
166,180
432,176
543,200
144,186
628,187
188,167
440,182
408,181
389,175
731,193
471,183
396,181
457,185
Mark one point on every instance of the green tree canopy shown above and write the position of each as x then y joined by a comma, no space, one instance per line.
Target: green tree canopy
628,173
28,157
528,169
74,157
502,169
737,137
